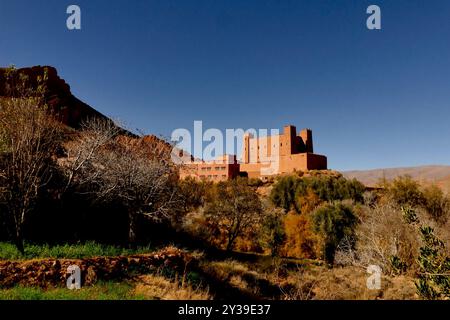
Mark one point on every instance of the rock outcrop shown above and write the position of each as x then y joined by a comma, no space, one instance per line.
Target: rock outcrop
69,109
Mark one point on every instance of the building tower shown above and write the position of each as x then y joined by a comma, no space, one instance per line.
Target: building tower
288,141
306,135
246,148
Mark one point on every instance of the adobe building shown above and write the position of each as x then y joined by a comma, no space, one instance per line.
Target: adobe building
284,153
223,168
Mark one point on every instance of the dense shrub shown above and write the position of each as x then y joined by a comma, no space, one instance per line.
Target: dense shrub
234,208
434,262
404,191
255,182
436,203
333,222
408,193
273,235
332,189
288,192
284,192
308,202
193,193
301,240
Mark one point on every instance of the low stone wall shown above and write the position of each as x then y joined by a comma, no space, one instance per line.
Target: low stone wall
53,272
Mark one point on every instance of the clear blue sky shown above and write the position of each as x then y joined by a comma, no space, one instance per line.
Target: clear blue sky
373,98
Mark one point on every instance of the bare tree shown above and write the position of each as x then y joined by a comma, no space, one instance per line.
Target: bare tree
382,235
135,170
83,151
29,138
140,174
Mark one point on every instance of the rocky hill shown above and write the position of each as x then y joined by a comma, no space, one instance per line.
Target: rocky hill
70,110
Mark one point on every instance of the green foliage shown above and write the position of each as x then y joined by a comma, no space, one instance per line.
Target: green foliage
332,189
273,234
434,274
397,265
67,251
405,192
255,182
408,193
101,291
284,192
288,191
333,222
409,215
193,193
436,203
234,208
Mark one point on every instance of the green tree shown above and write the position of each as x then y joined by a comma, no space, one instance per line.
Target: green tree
234,207
284,192
405,192
273,234
289,190
333,222
336,188
193,193
436,203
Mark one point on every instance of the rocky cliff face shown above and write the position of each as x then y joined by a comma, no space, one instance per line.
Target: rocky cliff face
70,110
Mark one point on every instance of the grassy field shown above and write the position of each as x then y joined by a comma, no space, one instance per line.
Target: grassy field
67,251
145,287
101,291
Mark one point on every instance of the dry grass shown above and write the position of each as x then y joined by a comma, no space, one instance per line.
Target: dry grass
224,269
312,282
235,273
157,287
349,283
241,277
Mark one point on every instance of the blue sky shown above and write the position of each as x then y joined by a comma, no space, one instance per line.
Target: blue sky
373,98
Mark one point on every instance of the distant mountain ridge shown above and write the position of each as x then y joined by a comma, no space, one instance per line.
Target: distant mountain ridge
439,174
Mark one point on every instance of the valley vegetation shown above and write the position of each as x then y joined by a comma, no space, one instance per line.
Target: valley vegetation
100,191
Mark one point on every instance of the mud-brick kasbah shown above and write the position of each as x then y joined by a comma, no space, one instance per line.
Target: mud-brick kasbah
295,152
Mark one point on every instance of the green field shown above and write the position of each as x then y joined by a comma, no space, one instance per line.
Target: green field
67,251
101,291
